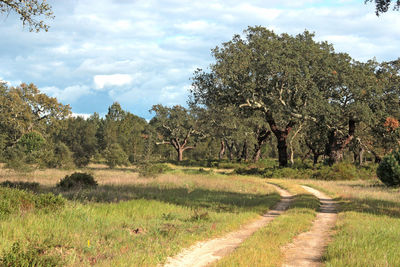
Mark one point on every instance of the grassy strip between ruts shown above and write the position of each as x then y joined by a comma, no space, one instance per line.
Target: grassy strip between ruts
263,248
158,218
367,232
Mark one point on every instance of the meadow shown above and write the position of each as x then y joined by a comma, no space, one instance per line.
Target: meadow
131,220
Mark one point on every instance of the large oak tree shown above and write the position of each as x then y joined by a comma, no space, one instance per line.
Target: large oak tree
282,76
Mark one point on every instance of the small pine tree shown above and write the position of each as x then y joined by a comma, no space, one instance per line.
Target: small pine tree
389,169
115,156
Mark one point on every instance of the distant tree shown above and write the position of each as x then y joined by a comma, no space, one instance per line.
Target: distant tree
115,156
383,6
176,126
80,137
31,12
123,128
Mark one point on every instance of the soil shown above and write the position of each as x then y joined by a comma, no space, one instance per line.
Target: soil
204,253
307,248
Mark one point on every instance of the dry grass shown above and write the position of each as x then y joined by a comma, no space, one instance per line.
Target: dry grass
128,176
359,189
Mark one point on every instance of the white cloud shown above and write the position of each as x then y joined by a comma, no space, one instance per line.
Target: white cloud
102,81
68,94
144,52
10,83
82,115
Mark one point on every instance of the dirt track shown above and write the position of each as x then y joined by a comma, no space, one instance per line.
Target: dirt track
204,253
308,248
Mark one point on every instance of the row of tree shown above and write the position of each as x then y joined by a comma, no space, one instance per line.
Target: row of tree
281,95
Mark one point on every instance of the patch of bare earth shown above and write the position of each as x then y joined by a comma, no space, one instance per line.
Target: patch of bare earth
204,253
307,248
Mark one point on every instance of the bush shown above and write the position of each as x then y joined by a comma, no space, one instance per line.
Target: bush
339,171
21,185
153,170
18,201
389,169
77,180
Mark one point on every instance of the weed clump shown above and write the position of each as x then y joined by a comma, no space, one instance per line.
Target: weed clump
389,169
77,180
153,170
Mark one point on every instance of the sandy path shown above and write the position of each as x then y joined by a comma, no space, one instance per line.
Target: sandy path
308,248
204,253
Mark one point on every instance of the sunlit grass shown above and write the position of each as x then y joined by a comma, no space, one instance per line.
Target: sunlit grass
368,227
136,221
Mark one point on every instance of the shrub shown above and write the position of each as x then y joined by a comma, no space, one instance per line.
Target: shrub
20,185
339,171
32,256
389,169
153,170
77,180
18,201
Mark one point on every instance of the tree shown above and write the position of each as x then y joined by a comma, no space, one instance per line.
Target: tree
123,128
31,12
24,109
80,137
383,6
115,156
176,127
279,75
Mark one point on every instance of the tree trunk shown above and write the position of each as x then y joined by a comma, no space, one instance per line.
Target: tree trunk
291,144
281,136
180,154
336,146
261,138
378,159
361,156
230,150
222,150
245,152
282,151
315,157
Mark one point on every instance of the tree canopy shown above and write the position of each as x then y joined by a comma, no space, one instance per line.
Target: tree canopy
383,6
31,12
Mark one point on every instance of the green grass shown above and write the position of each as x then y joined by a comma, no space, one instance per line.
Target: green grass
138,224
263,248
368,226
365,240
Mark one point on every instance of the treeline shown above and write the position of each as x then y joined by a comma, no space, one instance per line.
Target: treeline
266,95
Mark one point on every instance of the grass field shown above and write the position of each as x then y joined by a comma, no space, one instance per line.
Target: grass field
368,226
157,217
136,221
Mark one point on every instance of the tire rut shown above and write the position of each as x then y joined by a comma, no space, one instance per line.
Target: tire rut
307,248
206,252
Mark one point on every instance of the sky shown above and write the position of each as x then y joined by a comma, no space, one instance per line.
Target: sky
144,52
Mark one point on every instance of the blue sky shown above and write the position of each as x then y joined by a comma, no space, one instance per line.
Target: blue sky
144,52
